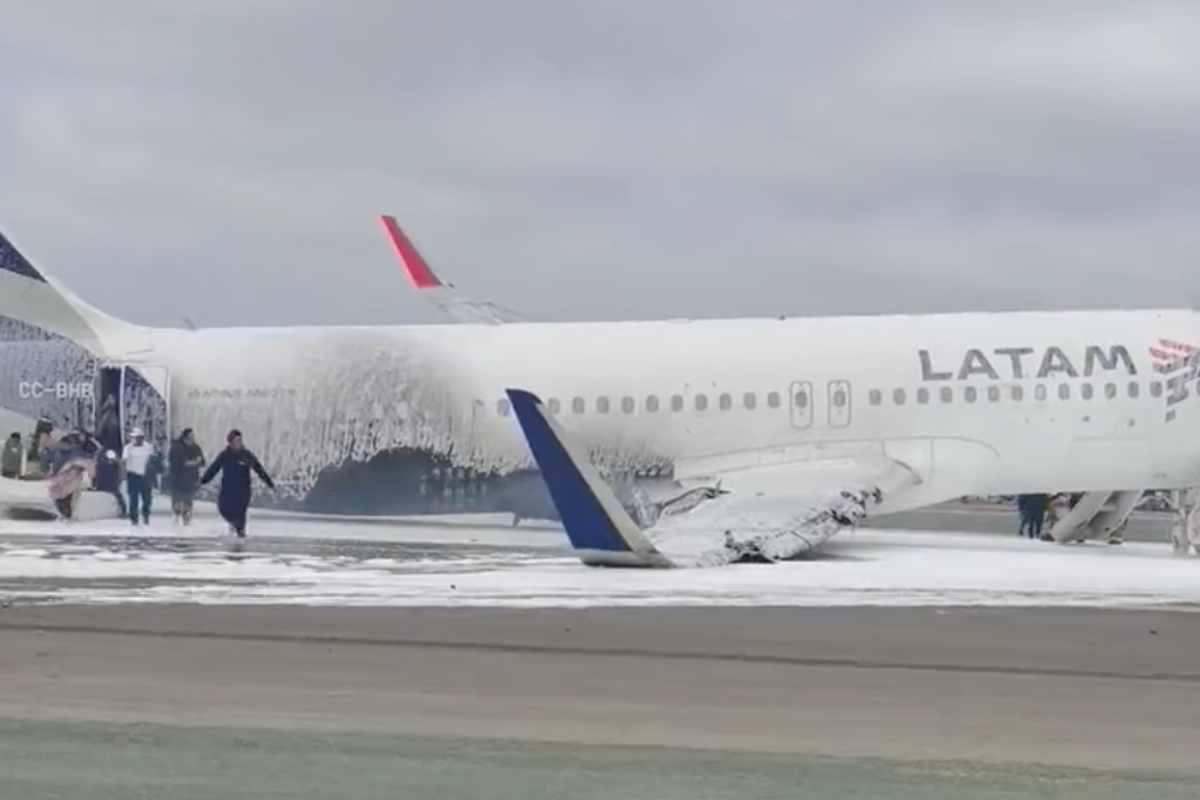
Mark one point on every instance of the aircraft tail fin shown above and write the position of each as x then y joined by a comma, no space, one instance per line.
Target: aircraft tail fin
601,531
442,294
32,297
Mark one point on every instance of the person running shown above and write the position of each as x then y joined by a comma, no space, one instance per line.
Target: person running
235,464
66,484
136,456
183,474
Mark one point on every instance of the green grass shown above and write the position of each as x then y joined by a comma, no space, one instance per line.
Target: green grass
76,761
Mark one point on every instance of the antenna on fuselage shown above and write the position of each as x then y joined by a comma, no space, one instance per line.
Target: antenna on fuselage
191,326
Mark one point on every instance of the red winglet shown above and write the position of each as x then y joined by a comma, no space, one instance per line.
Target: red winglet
414,265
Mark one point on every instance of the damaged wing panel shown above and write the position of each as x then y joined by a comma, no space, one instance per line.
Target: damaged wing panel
769,513
777,513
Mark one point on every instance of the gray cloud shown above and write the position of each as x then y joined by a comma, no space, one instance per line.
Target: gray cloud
225,160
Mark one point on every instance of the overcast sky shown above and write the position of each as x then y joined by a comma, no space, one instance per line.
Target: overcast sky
226,159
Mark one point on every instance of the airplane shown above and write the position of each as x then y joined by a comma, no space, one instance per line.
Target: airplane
1097,515
822,420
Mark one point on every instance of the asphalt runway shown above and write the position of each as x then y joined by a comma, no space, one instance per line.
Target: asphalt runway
299,702
1063,689
1143,526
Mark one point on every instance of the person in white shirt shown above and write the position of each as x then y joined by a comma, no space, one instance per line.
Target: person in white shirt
137,456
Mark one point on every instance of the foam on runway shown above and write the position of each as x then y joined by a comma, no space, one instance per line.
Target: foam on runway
439,566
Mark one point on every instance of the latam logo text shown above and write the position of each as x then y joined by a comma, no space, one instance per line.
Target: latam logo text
1016,363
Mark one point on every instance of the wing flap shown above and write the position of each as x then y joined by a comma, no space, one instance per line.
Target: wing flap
778,512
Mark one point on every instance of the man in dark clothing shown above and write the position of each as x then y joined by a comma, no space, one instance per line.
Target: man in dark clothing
10,465
183,474
235,463
1023,513
1037,515
109,463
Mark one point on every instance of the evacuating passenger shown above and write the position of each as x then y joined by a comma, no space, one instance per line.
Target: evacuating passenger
235,463
183,474
65,449
1052,509
137,455
1037,515
66,483
43,446
107,462
10,463
1023,514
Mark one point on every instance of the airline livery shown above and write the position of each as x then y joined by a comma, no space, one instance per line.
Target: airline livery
770,435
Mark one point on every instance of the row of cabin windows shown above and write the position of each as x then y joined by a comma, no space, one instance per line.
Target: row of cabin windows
653,404
1016,393
749,400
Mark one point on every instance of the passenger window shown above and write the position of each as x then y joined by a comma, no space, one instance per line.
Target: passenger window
1085,391
1018,393
701,402
677,402
1134,388
875,397
801,399
773,399
1040,393
652,404
898,397
947,394
839,398
1110,391
969,394
993,394
725,401
578,405
749,401
602,405
923,395
503,407
1156,389
627,405
553,405
1064,391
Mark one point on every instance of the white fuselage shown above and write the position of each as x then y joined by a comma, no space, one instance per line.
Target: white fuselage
976,403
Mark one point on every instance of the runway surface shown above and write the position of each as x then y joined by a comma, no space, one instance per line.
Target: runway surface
322,562
485,662
945,697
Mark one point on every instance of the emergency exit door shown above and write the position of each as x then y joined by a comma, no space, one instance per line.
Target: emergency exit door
145,402
128,397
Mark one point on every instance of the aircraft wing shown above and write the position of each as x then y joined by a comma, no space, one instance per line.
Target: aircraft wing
442,294
768,510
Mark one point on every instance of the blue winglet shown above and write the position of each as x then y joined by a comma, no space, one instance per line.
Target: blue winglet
600,530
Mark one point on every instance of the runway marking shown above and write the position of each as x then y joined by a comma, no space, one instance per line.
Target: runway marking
610,652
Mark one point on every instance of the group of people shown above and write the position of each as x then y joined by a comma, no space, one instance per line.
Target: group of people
185,459
71,461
